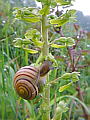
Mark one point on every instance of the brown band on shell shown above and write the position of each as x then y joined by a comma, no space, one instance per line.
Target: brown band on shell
29,91
25,82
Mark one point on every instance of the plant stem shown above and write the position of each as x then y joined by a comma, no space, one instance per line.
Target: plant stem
81,98
73,66
45,107
26,57
44,31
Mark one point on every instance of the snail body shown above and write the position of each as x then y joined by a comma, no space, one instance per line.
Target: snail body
28,79
45,68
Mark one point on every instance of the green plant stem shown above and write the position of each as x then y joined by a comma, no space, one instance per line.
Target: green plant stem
26,57
45,107
44,31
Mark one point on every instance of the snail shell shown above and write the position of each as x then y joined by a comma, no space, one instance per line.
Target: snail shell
29,79
25,82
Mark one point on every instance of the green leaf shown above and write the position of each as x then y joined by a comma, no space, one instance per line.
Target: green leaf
70,41
66,76
57,21
75,76
61,39
64,2
27,14
32,34
63,19
45,10
26,41
19,42
64,87
30,50
38,43
31,19
57,46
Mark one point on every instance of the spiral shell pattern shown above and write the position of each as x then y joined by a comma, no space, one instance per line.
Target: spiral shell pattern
25,82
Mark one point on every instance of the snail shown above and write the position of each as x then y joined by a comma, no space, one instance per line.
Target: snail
28,79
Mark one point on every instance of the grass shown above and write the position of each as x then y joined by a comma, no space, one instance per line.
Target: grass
11,59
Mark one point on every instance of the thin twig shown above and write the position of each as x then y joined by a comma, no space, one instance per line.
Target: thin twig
73,65
77,60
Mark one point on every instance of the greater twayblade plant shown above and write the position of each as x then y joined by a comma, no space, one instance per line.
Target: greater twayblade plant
39,41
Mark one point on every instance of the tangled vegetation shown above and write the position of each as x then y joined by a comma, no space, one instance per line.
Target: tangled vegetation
31,35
